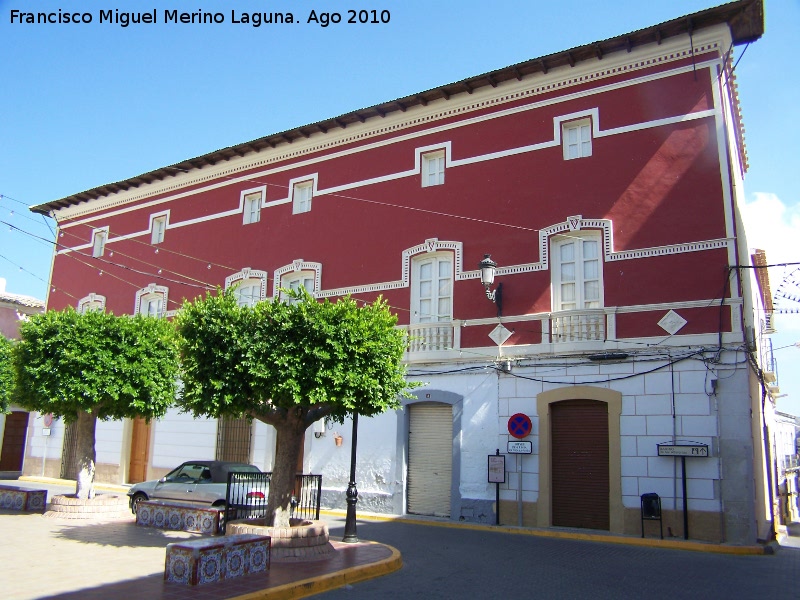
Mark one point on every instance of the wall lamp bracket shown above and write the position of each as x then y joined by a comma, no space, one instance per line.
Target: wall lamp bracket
487,268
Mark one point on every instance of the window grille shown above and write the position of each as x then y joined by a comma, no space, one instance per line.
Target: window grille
69,469
234,439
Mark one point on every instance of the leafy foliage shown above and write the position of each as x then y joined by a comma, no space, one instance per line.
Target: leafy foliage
113,367
6,374
312,358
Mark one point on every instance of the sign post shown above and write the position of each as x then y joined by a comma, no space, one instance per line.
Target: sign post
519,426
497,475
684,450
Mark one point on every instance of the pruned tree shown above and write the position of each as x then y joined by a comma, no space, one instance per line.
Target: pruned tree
289,364
6,374
90,366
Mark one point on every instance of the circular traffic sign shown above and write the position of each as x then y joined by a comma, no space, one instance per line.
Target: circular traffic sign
519,425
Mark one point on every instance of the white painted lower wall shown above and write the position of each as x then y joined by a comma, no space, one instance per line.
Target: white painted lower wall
659,405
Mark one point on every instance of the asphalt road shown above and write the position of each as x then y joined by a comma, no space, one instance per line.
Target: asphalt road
457,563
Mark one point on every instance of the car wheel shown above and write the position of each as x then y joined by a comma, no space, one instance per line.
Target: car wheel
137,498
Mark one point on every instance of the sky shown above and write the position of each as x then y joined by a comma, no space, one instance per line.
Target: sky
87,104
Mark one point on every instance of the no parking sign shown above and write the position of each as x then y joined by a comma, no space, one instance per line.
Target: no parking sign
519,425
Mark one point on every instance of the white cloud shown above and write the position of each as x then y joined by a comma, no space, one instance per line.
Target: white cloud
773,226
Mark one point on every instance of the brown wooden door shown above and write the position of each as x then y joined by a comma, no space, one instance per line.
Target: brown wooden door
140,451
14,441
580,486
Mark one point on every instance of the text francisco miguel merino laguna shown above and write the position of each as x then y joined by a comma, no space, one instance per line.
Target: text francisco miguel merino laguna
255,19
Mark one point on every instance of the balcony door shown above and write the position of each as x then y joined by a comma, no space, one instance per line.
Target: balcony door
577,272
432,300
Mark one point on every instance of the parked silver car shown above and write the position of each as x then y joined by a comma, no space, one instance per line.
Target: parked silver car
196,482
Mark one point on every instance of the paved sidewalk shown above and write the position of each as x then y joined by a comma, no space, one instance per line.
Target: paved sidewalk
54,558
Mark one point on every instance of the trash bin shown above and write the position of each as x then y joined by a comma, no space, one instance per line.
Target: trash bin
651,511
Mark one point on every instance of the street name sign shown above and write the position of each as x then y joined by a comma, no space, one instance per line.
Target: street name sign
520,447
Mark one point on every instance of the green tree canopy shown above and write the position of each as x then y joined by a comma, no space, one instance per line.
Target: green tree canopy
6,374
84,367
288,365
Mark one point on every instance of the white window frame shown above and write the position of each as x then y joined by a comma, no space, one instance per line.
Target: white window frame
147,296
251,206
99,240
576,138
91,302
247,278
158,228
433,166
302,194
292,281
248,292
285,274
581,263
418,296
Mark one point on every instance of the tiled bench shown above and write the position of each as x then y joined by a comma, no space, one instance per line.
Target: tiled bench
210,560
198,519
12,498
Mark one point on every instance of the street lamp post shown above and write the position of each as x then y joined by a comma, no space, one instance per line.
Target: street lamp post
350,535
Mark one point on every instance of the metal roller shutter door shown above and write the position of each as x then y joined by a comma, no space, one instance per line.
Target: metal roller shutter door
579,434
430,459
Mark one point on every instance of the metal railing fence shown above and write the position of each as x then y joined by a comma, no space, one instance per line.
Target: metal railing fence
247,493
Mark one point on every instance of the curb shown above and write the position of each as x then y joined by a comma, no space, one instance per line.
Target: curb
324,583
673,544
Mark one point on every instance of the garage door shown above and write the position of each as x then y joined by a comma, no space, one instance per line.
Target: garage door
579,434
430,458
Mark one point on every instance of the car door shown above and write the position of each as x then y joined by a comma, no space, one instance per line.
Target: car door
180,484
207,490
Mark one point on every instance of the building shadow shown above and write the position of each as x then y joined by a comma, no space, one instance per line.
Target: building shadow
123,535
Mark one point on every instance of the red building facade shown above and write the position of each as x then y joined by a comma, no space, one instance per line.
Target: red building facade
603,181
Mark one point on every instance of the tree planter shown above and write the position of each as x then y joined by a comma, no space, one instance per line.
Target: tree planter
302,541
99,508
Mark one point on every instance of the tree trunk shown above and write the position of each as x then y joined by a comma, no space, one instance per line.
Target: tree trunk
85,454
290,435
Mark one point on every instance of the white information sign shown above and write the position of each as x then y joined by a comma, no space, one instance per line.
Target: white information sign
683,450
520,447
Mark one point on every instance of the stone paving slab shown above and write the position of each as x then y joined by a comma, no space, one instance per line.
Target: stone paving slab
72,560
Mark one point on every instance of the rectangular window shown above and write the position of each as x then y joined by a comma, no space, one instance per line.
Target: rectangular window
301,197
433,289
433,168
152,306
297,280
252,208
577,274
159,227
248,292
577,139
99,242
